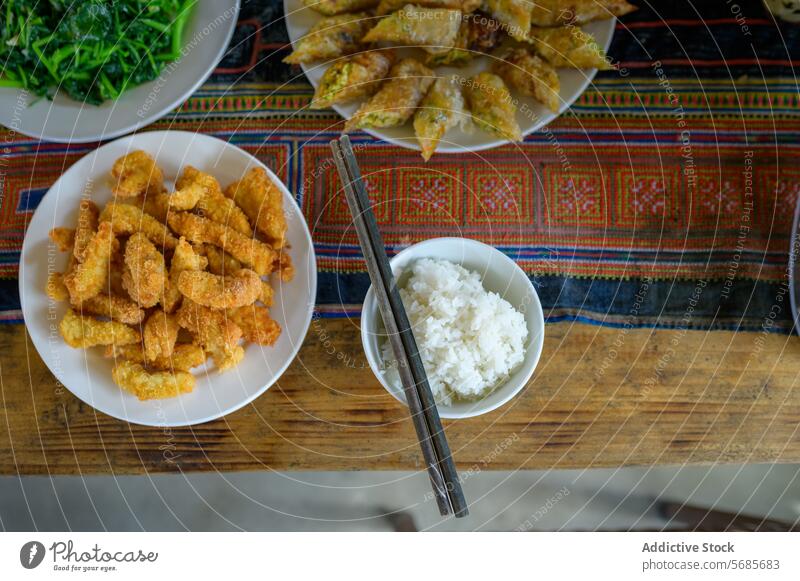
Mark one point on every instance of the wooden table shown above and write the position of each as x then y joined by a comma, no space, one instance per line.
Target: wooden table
601,397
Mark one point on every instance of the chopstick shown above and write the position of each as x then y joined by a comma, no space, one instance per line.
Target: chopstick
433,442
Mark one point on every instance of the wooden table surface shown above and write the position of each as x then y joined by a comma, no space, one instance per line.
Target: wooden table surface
601,397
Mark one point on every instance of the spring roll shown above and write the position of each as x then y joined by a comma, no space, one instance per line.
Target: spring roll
513,15
492,107
434,30
351,78
331,38
530,75
395,103
568,47
334,7
560,12
441,110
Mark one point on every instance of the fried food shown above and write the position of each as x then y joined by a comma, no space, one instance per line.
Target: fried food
185,258
440,110
215,331
56,289
475,36
145,275
262,202
212,204
432,29
284,267
568,47
220,292
63,238
530,75
333,7
186,198
160,334
249,251
87,226
127,219
223,264
115,307
183,358
256,324
88,278
387,6
398,98
331,38
134,378
351,78
136,174
513,15
560,12
83,332
492,107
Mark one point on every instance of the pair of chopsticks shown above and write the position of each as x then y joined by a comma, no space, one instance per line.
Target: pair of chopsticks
431,436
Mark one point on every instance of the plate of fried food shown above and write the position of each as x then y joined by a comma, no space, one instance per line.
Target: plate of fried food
167,278
450,75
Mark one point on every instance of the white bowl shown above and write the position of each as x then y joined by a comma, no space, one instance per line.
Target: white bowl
500,274
531,114
86,373
208,32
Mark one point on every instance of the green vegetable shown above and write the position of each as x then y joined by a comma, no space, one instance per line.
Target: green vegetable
92,50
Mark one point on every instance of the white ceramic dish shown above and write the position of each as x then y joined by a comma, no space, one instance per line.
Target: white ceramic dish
300,19
500,274
207,35
86,373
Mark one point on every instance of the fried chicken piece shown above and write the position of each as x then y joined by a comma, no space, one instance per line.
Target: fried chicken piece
256,324
145,276
222,263
215,331
284,267
87,226
249,251
128,219
183,358
262,201
185,198
136,174
135,379
220,292
115,307
83,332
185,258
160,334
212,204
63,238
55,287
90,277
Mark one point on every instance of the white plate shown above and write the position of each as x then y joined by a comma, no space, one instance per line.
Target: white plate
534,115
207,35
86,373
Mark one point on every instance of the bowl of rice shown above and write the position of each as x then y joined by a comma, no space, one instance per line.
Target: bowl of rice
476,318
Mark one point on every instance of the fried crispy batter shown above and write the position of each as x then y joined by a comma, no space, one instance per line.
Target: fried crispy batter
262,201
185,258
185,198
87,226
215,331
128,219
115,307
160,334
89,278
145,276
256,324
283,265
218,292
137,173
222,263
249,251
183,358
134,378
63,238
212,204
86,332
55,287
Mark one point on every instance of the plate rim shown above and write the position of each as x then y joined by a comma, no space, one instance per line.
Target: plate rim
308,315
158,112
411,144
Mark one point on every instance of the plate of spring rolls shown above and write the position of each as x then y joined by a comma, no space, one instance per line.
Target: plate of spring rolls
167,278
450,75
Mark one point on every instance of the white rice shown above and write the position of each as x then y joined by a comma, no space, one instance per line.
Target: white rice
470,339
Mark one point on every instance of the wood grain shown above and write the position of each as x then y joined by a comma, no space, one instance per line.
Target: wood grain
600,397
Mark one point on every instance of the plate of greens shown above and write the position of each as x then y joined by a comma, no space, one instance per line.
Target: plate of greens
87,71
